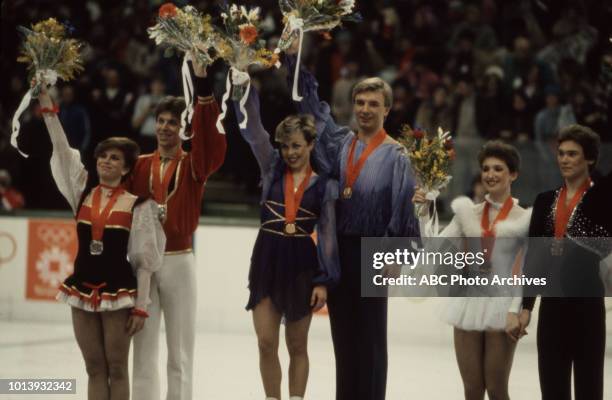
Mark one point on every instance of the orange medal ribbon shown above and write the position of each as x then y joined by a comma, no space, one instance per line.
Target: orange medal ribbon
353,169
564,211
488,229
160,187
293,199
98,219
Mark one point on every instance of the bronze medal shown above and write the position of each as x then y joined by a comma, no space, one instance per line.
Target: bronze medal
347,193
290,228
96,247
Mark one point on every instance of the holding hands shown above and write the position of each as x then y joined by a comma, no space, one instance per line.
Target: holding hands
516,324
318,297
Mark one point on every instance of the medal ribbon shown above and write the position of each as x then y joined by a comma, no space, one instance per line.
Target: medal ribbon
160,187
487,238
293,199
98,220
564,212
352,169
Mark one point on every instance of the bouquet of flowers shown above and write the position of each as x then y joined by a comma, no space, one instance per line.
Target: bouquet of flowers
240,45
430,158
50,56
301,16
49,53
186,30
313,15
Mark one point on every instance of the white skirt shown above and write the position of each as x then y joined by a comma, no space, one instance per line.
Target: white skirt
476,313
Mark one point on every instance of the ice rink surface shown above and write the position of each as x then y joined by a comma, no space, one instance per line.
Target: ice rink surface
421,365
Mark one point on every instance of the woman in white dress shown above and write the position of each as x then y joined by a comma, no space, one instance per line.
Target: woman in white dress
486,328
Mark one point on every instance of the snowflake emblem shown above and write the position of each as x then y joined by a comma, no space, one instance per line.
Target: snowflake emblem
53,266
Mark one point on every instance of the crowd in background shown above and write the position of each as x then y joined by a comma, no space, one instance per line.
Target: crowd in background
482,69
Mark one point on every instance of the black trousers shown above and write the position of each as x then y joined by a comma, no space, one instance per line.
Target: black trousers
359,331
571,332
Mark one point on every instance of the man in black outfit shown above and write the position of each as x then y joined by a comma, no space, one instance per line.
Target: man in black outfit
572,322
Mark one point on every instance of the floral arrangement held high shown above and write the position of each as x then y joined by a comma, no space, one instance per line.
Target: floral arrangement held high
431,157
50,56
185,30
241,46
301,16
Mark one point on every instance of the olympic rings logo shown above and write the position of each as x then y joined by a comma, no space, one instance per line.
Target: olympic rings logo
8,247
55,235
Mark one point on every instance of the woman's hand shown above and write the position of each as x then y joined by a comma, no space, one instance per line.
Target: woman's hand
318,298
135,324
513,326
43,97
419,200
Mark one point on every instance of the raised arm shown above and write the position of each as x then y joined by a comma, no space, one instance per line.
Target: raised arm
327,244
329,135
255,134
66,166
207,143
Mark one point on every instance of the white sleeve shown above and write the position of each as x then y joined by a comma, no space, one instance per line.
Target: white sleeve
145,248
66,167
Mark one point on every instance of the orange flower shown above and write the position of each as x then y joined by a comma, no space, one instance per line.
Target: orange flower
248,34
326,35
451,154
168,10
418,134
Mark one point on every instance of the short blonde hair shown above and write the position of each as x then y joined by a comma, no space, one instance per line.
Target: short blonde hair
296,123
374,85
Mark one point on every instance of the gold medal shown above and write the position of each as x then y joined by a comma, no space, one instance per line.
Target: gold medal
347,193
290,228
96,247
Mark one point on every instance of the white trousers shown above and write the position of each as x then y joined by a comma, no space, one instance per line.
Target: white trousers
173,293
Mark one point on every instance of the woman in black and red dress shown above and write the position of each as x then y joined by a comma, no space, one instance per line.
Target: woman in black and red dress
107,292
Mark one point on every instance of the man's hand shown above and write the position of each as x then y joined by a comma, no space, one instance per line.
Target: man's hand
524,318
513,326
135,324
318,297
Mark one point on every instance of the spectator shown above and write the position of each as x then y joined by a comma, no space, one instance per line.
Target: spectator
342,105
75,119
111,107
10,198
490,104
143,119
435,112
403,110
518,124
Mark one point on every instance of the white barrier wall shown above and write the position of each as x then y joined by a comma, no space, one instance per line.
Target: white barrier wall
32,254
